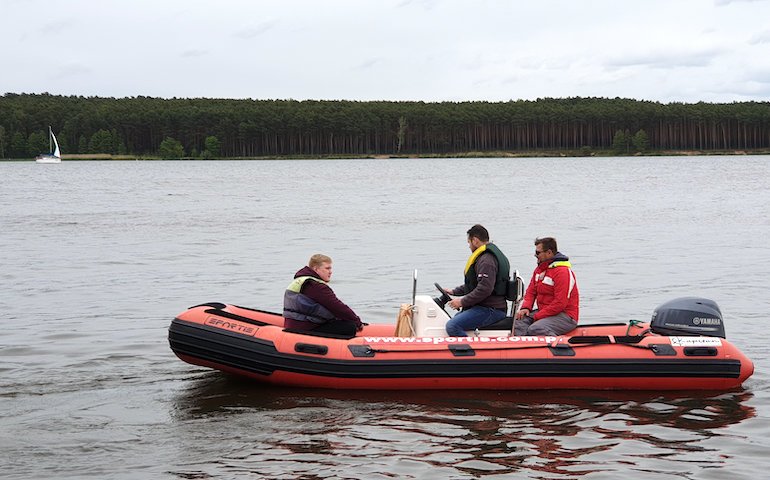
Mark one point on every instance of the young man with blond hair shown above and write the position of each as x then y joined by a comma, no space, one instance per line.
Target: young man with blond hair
309,304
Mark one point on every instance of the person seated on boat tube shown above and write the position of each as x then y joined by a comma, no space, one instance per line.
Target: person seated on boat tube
482,296
310,304
554,289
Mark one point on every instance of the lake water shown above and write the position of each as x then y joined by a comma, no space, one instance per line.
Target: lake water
96,258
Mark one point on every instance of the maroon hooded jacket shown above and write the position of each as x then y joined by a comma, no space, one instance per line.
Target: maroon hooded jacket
324,295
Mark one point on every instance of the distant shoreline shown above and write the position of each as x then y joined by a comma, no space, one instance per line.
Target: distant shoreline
491,154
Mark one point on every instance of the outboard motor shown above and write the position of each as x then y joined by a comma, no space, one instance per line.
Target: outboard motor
688,316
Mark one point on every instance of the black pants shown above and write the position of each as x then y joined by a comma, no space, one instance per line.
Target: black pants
337,328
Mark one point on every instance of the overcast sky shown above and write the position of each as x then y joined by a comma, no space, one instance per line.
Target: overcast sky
429,50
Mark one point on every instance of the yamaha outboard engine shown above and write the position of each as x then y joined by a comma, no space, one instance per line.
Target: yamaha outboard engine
688,316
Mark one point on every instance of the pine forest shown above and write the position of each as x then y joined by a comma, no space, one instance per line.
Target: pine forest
227,128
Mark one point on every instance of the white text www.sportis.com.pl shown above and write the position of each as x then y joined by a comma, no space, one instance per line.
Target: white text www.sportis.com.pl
439,340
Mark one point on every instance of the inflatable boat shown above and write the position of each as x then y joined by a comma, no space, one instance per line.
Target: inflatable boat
683,347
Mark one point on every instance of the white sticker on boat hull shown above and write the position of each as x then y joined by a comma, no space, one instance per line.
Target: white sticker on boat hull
696,341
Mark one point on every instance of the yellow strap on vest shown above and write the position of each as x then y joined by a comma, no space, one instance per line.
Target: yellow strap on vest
564,263
474,256
296,284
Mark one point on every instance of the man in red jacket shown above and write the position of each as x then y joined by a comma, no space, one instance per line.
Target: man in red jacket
554,289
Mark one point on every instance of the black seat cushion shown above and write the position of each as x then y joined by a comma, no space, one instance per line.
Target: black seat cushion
504,324
311,333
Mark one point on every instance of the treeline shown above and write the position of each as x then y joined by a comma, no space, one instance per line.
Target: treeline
254,128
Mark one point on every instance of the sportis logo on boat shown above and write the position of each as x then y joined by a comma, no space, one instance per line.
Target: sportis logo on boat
237,327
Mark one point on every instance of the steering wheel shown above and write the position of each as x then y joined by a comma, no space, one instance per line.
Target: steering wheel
443,299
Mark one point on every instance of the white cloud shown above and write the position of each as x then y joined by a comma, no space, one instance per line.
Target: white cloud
760,38
252,31
390,50
722,3
71,70
666,59
194,53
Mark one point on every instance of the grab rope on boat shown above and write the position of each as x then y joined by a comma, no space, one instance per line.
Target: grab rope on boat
633,323
610,340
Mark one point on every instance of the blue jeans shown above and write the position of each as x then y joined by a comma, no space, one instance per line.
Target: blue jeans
471,319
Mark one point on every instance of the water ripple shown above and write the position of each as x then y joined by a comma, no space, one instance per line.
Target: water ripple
97,257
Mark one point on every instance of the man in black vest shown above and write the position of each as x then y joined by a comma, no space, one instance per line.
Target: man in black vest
482,296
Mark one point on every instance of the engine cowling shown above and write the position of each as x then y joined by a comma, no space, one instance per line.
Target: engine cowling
688,316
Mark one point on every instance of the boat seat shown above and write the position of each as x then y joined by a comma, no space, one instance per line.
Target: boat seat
514,292
504,324
311,333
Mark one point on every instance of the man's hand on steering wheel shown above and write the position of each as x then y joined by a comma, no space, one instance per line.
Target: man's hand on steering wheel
455,303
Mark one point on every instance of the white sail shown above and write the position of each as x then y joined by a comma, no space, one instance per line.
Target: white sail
55,155
56,152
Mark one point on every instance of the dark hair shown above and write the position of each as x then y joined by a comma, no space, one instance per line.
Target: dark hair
479,232
548,243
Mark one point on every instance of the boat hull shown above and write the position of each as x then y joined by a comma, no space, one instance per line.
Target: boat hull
253,344
47,159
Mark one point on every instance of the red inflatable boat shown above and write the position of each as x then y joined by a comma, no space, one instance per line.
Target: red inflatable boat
682,348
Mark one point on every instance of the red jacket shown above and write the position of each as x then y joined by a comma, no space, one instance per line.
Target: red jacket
554,288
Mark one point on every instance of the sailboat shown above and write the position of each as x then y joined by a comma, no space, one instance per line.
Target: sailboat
53,147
